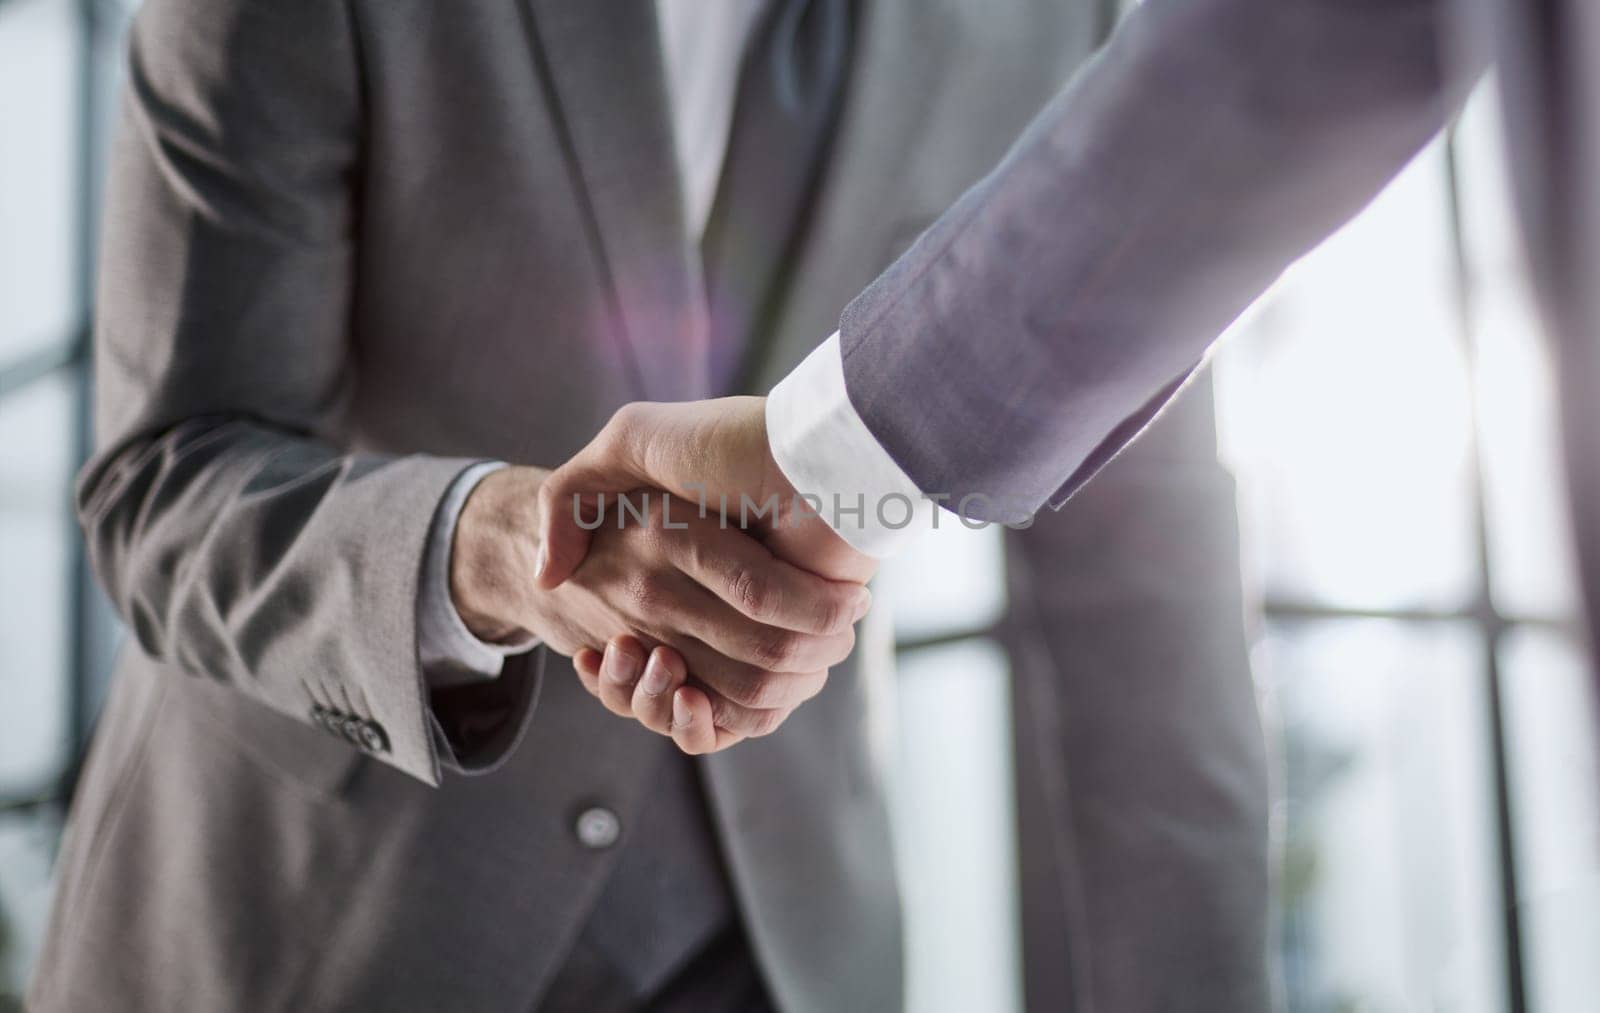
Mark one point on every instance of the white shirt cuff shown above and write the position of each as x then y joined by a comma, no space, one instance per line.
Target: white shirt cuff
826,451
450,653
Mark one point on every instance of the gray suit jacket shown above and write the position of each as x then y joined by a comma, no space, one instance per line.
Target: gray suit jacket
350,247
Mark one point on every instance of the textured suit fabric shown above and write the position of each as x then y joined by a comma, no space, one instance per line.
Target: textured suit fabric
668,897
1550,79
1141,767
1039,325
350,248
667,905
723,979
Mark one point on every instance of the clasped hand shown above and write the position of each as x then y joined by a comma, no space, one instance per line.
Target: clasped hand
674,615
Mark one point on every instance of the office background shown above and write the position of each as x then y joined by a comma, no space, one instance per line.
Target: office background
1405,548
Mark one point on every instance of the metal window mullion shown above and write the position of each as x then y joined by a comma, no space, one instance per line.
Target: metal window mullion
1491,624
80,604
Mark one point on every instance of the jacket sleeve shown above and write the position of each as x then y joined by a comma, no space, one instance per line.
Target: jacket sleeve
1049,314
237,531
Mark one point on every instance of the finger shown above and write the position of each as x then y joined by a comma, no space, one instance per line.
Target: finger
652,697
744,722
744,573
664,446
672,608
692,611
607,465
744,691
619,671
586,662
692,728
563,542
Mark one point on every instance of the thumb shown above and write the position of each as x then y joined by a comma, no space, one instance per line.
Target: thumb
572,498
572,503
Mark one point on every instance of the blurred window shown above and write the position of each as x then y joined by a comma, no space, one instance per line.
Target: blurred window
1389,413
58,61
951,787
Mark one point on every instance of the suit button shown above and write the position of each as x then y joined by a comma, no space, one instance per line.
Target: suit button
373,739
350,728
598,828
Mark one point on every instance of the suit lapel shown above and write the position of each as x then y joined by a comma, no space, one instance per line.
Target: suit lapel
602,65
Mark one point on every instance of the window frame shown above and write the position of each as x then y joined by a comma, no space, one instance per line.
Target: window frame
99,29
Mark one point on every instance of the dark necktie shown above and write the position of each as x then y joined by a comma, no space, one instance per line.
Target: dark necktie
791,83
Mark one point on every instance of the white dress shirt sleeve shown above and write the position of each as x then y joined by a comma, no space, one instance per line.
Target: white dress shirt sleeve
826,451
450,653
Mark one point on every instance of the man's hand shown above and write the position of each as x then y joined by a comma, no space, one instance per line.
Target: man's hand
708,452
758,634
715,455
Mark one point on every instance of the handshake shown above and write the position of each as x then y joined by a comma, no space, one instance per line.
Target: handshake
675,564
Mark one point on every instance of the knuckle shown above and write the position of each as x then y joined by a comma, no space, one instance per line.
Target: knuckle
830,614
775,649
734,715
623,420
753,593
765,722
763,691
737,695
625,425
725,713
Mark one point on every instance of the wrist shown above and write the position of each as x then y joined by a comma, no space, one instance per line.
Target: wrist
828,453
492,554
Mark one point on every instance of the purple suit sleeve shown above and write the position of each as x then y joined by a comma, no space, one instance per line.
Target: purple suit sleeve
1037,327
